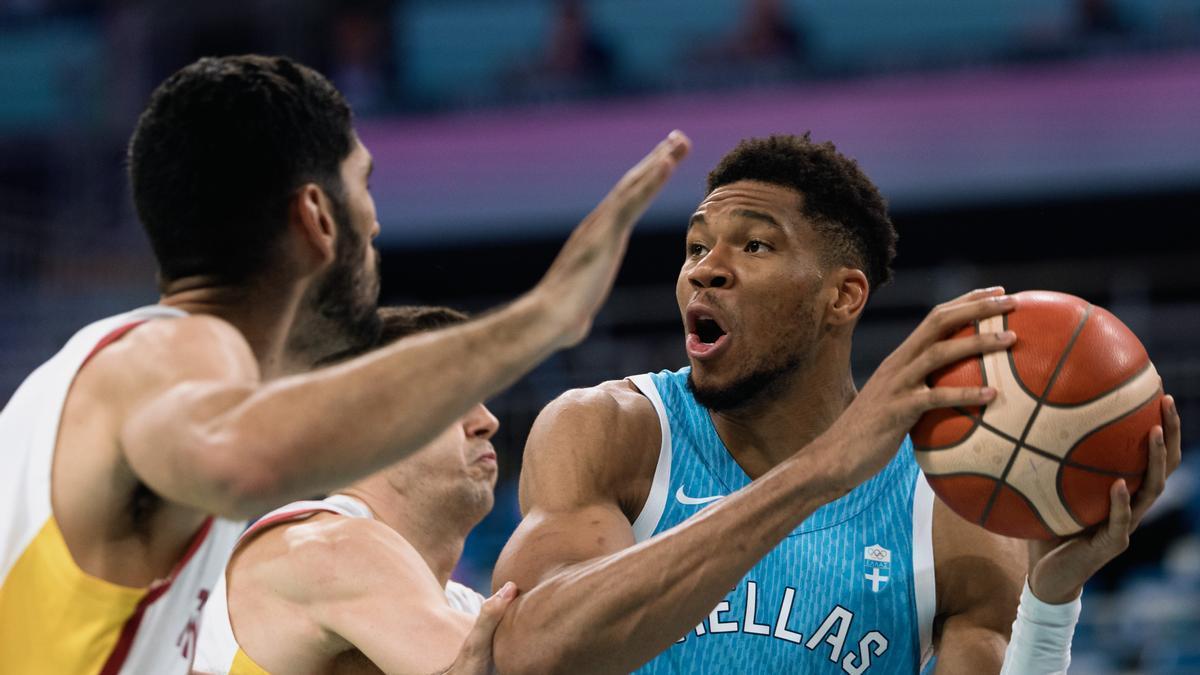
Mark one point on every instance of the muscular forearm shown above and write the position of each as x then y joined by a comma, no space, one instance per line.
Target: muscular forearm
322,430
615,613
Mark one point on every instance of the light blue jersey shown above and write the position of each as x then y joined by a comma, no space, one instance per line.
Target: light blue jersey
849,590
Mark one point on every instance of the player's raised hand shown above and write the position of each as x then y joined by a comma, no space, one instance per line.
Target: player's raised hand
581,276
475,657
897,395
1058,568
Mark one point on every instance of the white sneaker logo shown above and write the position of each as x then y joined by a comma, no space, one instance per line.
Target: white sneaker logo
684,499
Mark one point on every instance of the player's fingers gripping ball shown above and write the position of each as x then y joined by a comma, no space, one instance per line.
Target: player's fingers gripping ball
1076,399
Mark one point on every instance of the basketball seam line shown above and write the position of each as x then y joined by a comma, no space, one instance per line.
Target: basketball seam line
1044,453
979,423
1038,403
1080,404
1066,461
1015,440
976,421
1034,511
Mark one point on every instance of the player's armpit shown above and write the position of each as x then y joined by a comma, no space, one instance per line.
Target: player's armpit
979,576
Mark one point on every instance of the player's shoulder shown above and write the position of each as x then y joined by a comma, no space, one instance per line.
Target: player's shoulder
156,356
196,338
196,345
615,407
595,443
326,557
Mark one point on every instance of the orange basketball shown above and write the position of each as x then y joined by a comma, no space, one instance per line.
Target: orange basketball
1076,399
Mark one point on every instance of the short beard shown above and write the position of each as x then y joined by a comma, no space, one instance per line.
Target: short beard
346,300
747,389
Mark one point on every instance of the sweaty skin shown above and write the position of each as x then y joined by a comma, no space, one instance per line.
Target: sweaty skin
595,602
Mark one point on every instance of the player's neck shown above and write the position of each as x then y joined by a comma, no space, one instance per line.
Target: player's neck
263,312
767,431
431,532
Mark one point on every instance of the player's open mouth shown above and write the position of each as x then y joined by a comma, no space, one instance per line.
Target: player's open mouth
706,336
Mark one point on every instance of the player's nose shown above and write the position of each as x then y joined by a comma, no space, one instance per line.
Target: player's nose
480,423
712,271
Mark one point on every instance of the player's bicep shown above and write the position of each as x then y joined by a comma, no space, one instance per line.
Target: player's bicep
548,542
170,435
583,451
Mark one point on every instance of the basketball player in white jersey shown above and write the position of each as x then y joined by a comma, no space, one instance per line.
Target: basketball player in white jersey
752,514
360,582
127,460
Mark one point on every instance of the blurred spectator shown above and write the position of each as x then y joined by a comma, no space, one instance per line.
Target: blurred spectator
767,33
574,50
1100,17
575,60
768,37
359,55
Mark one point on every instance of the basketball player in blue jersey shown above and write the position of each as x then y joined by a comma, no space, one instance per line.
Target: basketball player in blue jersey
127,460
754,513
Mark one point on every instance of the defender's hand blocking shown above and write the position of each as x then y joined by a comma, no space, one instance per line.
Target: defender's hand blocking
1059,568
581,276
897,394
475,657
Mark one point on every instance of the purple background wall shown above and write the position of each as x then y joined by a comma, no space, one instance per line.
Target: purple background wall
927,139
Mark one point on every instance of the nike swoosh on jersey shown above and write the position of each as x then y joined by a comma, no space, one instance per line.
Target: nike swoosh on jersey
684,499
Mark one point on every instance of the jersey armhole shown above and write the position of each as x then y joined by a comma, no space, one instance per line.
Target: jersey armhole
924,583
646,522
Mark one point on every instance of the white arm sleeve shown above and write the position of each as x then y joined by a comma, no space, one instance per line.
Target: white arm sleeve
1041,637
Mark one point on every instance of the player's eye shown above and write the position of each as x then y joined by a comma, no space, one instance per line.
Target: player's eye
756,246
695,250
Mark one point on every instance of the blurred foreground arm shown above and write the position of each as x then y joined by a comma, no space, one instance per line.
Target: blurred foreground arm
217,438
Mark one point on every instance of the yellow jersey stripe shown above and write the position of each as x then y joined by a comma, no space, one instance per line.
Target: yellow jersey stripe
56,617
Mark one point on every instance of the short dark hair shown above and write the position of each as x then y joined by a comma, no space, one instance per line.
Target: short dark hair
844,205
400,322
219,151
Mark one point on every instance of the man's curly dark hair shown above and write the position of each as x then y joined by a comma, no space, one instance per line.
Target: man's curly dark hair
843,204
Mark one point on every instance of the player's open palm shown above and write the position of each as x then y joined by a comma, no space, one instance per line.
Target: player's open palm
581,276
475,657
897,394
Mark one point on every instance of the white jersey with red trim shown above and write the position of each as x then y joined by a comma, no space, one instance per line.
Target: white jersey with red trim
54,617
219,651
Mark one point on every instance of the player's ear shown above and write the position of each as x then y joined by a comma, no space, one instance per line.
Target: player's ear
850,289
312,220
